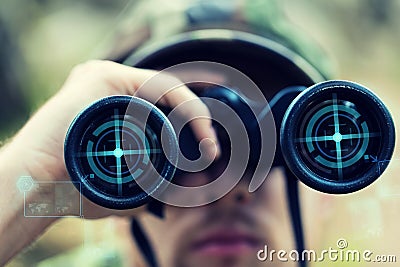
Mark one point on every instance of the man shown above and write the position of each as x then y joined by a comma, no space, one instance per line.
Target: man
227,232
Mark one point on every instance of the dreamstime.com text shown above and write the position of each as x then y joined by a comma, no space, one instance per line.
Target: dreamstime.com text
339,254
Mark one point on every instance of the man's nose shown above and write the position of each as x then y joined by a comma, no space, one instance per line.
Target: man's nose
239,195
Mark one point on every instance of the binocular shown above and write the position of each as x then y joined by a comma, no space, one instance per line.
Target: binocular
335,136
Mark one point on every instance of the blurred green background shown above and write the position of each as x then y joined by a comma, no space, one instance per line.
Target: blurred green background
41,40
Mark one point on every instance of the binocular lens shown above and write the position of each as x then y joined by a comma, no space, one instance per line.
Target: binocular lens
110,152
338,137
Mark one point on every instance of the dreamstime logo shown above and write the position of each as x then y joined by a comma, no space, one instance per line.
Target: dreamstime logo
218,75
338,254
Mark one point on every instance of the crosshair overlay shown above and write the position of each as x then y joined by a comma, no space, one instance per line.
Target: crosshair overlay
118,175
338,137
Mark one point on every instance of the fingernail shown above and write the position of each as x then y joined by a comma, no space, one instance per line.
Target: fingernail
210,147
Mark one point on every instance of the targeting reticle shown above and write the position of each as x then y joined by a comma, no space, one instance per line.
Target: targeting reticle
335,134
109,151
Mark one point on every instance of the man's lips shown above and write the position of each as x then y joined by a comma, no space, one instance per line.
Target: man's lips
226,243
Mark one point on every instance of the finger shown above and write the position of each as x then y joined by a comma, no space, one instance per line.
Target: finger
190,107
170,91
115,77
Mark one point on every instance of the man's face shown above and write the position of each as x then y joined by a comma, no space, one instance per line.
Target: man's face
227,232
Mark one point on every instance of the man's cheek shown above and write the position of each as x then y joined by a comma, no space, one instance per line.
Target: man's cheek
272,194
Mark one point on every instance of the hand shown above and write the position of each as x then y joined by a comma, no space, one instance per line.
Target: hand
37,149
42,138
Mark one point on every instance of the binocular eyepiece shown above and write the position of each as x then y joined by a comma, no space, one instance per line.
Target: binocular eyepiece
336,137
